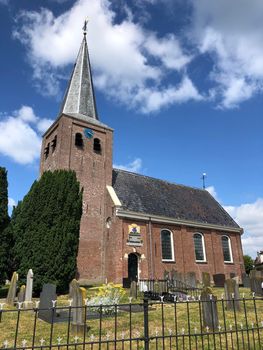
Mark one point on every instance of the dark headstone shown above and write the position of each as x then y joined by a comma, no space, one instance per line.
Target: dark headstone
256,285
46,312
246,280
232,274
219,279
191,279
126,282
206,279
232,295
209,309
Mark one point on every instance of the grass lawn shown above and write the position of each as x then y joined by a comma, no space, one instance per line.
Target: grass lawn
119,326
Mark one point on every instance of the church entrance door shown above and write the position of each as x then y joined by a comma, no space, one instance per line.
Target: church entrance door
133,267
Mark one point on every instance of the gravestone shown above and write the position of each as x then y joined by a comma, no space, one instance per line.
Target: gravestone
209,309
133,290
21,294
29,285
46,311
173,275
236,278
246,280
232,295
78,325
156,287
206,279
219,279
256,287
166,275
191,279
163,287
232,274
12,290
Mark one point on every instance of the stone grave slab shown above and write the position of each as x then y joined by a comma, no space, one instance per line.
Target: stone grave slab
209,309
46,312
231,290
219,279
12,290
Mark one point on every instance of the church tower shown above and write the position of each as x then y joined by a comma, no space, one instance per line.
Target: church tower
79,141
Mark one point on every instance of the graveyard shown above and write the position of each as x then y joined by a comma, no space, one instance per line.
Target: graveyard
110,316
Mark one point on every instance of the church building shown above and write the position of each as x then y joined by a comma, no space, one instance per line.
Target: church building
133,226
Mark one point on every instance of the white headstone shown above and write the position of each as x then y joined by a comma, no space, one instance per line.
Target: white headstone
29,285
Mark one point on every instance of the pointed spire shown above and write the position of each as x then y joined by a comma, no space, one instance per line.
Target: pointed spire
79,100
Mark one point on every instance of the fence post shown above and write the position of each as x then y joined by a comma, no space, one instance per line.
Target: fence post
146,323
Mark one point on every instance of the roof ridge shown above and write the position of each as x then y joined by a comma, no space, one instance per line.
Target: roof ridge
166,181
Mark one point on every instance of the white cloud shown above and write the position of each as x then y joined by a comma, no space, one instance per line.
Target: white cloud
212,191
11,202
26,114
250,217
20,139
231,32
134,166
43,124
127,59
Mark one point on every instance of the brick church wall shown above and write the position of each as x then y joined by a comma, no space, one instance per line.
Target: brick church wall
184,252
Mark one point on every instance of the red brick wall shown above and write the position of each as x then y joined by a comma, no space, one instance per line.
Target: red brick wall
94,171
184,251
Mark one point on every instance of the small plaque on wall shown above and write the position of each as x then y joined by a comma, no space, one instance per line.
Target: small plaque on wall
135,238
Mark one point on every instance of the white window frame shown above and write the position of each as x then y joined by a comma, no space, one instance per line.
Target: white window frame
230,249
172,245
203,246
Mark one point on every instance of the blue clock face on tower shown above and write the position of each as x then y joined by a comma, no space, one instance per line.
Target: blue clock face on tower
88,133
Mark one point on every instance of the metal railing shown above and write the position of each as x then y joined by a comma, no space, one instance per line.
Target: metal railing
161,286
192,324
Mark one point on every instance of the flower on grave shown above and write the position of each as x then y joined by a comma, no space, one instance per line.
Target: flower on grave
108,296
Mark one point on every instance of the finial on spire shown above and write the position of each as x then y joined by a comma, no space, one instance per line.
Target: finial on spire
85,26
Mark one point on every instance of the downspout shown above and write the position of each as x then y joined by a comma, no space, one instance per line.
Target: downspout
151,250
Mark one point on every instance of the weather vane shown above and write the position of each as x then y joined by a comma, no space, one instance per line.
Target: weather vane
203,178
85,26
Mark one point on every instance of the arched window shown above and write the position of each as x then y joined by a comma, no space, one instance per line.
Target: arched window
167,245
199,247
78,139
227,251
97,145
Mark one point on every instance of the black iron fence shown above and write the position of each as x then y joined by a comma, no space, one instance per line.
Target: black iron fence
167,286
180,324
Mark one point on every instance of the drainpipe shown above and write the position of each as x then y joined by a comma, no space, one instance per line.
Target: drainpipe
151,249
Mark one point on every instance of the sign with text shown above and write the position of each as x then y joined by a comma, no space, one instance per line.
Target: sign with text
134,238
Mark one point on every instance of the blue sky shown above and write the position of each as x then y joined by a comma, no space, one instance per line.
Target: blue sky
179,81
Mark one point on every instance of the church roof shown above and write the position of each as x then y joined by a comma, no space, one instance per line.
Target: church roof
79,99
147,195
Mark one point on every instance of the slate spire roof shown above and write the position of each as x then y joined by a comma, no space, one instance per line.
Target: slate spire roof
79,100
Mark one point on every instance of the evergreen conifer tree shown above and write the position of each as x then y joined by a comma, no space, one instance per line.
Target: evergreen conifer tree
45,227
5,241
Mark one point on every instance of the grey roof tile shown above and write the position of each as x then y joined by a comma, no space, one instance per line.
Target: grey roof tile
143,194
